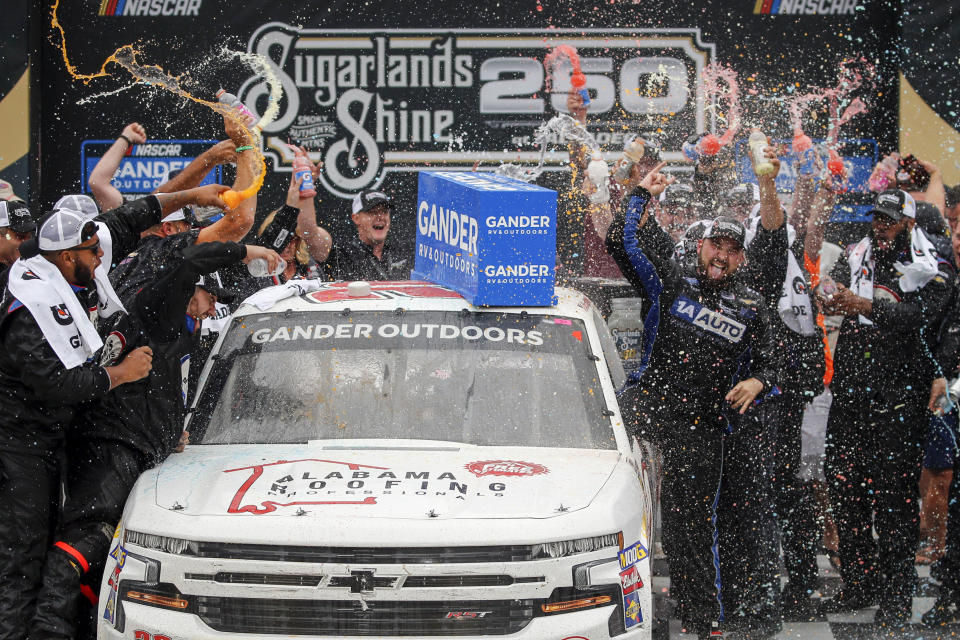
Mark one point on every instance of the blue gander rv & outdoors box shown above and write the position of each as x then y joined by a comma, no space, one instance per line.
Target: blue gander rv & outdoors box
490,238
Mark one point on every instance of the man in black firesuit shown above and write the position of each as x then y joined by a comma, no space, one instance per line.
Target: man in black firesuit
131,429
39,391
43,378
892,289
702,326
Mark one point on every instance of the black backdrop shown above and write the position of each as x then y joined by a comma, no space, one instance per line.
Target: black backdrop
773,52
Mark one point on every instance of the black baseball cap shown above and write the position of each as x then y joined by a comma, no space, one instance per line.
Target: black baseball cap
678,193
895,204
366,200
726,227
212,286
15,215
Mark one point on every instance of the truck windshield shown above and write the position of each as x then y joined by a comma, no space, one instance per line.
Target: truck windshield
478,378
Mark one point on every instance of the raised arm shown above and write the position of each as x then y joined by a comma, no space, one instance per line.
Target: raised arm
771,211
642,250
935,194
235,224
822,208
193,174
317,238
107,195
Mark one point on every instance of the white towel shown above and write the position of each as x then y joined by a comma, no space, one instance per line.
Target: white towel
266,298
794,306
65,323
913,275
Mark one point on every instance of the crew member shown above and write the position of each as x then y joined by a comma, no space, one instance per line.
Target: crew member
16,227
891,290
131,429
47,369
701,324
369,255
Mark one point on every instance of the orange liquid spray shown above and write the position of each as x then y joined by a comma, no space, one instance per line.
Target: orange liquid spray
126,57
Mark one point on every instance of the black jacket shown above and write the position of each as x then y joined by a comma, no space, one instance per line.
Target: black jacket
148,414
127,222
354,260
699,337
893,357
38,396
147,260
800,359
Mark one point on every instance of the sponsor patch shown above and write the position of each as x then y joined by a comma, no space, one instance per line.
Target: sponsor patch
632,615
630,580
505,468
707,320
112,348
632,555
61,315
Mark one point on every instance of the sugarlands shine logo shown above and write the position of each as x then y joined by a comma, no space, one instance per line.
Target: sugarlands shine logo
370,102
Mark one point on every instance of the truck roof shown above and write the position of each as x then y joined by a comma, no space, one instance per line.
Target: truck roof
334,296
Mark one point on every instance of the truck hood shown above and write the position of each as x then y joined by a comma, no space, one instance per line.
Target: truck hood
379,480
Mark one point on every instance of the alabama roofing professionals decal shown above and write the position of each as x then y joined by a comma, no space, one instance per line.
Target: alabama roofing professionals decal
505,468
311,481
371,101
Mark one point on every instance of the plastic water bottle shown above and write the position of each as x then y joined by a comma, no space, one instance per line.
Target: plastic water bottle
303,169
579,82
633,150
598,172
626,325
758,144
260,268
233,102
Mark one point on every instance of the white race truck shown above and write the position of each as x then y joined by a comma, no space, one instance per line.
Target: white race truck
394,463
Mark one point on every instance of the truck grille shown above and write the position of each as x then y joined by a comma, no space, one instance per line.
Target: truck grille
360,555
348,618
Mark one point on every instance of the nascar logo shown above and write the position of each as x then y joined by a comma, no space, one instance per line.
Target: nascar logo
712,321
149,7
806,7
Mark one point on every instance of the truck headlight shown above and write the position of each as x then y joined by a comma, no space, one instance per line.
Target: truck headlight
566,548
176,546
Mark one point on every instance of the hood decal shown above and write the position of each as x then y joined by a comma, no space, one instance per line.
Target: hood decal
269,506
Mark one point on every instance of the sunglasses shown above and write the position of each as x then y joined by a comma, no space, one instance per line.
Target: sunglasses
94,247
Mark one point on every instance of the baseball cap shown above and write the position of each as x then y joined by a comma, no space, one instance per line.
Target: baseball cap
696,230
78,203
742,194
15,215
186,213
6,192
64,229
366,200
726,227
678,193
211,286
895,204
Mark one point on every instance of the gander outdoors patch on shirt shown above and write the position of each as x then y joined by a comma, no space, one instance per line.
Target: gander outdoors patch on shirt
712,321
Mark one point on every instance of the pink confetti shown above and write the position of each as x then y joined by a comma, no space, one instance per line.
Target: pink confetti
714,75
555,57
